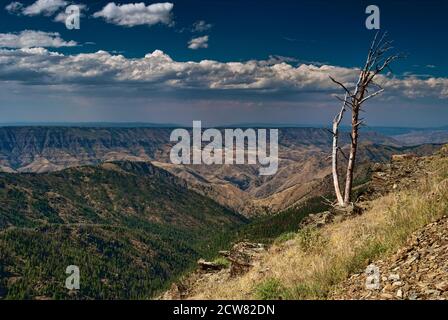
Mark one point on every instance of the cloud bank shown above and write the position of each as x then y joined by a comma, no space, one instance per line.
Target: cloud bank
158,71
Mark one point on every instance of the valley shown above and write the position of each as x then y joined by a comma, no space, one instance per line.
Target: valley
109,201
303,160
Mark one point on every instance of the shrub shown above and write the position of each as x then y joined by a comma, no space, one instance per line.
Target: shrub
270,289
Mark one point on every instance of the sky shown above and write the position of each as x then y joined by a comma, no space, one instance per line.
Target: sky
222,62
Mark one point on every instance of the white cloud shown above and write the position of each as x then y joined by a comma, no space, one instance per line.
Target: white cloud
414,87
201,26
62,16
30,39
158,71
134,14
44,7
14,7
198,43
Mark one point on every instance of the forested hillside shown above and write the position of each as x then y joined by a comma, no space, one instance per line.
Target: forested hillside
130,227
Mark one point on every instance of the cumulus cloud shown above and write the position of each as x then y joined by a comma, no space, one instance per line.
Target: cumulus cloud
158,70
201,26
44,7
134,14
198,43
30,39
414,87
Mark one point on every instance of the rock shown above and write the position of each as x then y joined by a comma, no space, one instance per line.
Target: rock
401,157
377,167
242,255
394,277
411,260
387,296
442,286
209,266
352,209
399,294
387,288
176,292
432,292
444,150
413,296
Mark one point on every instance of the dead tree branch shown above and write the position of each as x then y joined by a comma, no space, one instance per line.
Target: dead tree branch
377,60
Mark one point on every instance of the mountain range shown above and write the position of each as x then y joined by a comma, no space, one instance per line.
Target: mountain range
109,200
303,160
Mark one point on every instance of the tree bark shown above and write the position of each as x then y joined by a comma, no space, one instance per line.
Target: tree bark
351,160
356,107
337,120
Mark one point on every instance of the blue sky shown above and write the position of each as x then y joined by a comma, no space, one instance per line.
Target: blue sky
217,61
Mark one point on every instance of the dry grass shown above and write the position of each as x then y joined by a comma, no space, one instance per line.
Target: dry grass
310,264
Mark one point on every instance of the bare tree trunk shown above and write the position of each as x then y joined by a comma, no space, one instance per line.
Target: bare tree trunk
376,62
356,106
351,159
336,122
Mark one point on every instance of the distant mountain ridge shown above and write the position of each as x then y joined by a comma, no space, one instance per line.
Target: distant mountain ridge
41,149
303,160
27,148
418,137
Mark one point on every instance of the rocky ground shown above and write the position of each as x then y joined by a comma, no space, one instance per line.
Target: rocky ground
401,173
241,257
418,271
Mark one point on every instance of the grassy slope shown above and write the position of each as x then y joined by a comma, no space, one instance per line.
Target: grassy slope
312,262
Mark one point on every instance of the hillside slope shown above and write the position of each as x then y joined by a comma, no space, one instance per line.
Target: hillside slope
303,160
418,270
129,226
316,261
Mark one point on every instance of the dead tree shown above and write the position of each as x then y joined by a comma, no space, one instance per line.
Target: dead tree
377,60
